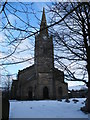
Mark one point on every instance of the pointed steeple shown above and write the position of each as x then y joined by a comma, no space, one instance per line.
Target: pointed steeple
44,23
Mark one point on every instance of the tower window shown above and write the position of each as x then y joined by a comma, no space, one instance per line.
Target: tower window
60,91
45,50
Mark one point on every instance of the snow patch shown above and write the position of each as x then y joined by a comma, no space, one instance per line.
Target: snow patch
47,109
79,87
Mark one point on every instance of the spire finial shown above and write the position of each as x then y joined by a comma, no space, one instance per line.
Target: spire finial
43,16
43,22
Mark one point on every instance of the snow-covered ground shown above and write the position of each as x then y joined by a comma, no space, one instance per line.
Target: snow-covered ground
78,87
47,109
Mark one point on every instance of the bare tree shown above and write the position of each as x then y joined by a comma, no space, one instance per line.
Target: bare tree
72,39
71,20
15,31
16,28
16,34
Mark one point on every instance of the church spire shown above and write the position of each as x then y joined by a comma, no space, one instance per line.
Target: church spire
44,23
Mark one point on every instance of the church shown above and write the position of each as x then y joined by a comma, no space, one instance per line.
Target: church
41,80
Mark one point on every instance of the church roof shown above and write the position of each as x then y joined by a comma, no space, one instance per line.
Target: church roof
25,69
57,70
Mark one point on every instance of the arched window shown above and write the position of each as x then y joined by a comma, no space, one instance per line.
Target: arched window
60,91
30,93
45,93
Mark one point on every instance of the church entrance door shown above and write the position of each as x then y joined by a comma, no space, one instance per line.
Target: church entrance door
30,93
45,93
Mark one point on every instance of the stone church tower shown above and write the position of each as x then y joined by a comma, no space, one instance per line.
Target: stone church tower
44,60
41,80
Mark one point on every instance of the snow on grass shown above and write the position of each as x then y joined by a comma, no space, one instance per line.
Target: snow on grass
78,87
46,109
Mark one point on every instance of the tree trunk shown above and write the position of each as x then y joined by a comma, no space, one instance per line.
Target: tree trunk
88,67
86,108
88,99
